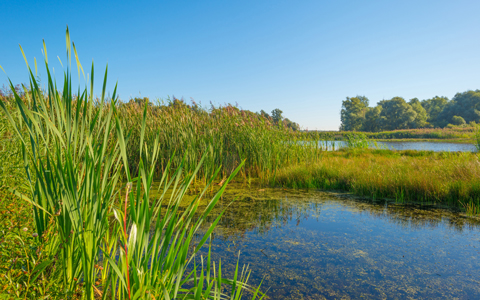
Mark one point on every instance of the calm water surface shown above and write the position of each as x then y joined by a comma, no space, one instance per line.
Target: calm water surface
316,245
428,146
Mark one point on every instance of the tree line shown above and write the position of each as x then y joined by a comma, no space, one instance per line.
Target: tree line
397,113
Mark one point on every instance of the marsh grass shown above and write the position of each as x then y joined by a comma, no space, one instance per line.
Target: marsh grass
477,138
453,133
406,176
358,140
95,236
226,135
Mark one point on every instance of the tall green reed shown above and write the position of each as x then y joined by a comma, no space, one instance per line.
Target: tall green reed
477,138
227,135
95,242
358,140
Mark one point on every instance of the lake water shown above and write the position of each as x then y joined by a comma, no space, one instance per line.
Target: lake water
428,146
317,245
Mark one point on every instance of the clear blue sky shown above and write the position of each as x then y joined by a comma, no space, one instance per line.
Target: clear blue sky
303,57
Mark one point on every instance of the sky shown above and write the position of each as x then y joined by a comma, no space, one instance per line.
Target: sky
303,57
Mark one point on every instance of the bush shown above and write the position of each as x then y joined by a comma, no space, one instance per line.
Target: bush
457,120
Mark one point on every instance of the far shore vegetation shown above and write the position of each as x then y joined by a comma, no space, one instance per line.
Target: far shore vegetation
396,113
450,134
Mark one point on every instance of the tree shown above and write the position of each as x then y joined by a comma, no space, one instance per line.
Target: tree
372,119
353,112
396,114
421,118
264,114
465,105
290,124
277,115
434,107
457,120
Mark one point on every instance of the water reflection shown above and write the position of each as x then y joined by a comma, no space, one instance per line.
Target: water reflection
314,245
427,146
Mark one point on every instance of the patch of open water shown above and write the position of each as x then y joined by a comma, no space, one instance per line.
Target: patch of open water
427,146
316,245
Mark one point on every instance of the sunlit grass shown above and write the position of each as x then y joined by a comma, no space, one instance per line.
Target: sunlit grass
95,235
226,135
407,176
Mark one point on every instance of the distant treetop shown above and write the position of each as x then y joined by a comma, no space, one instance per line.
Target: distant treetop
397,113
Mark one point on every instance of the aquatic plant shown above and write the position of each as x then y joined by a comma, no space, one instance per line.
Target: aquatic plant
454,133
408,176
477,138
227,135
97,237
357,140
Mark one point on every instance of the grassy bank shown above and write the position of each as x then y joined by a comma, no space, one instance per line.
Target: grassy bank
407,176
453,133
461,134
459,141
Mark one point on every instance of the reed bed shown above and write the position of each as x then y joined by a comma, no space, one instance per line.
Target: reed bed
406,176
96,232
227,136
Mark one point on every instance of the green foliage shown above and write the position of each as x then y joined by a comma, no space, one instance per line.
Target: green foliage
95,236
434,107
477,138
372,119
353,113
396,114
227,135
464,134
457,120
277,115
421,117
357,141
465,105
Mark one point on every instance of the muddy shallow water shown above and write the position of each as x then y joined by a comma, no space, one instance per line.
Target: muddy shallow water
317,245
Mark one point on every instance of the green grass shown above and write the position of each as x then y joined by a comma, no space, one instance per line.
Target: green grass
462,134
444,178
454,133
90,235
226,135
